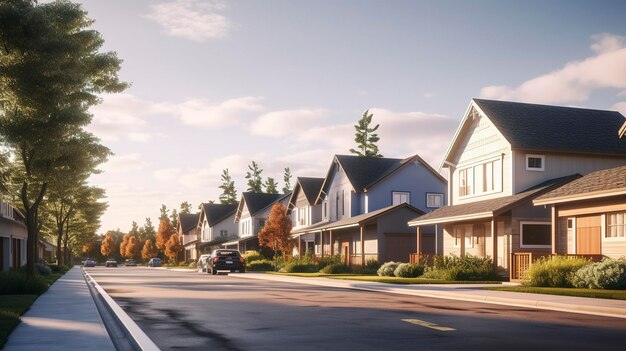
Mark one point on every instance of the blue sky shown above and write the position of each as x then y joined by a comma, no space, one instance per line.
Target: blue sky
218,84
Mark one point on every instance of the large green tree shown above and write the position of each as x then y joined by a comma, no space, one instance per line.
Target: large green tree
255,182
229,193
365,137
51,70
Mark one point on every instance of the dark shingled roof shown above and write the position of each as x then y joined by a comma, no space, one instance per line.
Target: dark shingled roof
216,213
188,221
489,207
311,187
613,179
258,201
363,171
556,128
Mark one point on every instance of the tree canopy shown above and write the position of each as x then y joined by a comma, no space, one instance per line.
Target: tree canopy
229,193
276,232
287,180
255,182
365,138
271,186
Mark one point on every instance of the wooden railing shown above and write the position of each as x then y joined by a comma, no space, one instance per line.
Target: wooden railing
521,262
356,259
423,259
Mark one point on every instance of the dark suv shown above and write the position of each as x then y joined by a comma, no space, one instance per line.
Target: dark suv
226,260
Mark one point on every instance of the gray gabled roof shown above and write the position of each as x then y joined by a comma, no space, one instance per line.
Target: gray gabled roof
311,187
259,201
216,213
607,182
556,128
188,221
488,208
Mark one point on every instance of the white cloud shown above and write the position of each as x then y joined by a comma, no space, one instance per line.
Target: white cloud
167,174
125,163
191,19
279,124
576,80
204,113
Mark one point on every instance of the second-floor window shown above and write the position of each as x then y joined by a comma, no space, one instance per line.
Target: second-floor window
483,178
400,197
339,207
434,200
246,227
223,233
535,162
6,210
303,215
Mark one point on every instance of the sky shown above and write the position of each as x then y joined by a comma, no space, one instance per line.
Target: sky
217,84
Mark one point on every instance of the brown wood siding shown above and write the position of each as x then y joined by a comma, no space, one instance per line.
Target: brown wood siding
589,235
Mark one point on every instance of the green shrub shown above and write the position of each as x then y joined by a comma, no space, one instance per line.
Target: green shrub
260,266
59,268
336,268
16,282
554,271
299,267
42,268
466,267
608,274
252,255
408,270
387,269
322,262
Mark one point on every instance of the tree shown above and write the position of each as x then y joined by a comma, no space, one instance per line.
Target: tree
147,232
164,233
149,250
51,71
108,245
133,247
276,232
185,208
271,185
134,230
287,180
174,218
164,213
123,245
173,248
255,183
229,193
365,137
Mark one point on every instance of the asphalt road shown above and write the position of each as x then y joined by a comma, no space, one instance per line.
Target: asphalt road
193,311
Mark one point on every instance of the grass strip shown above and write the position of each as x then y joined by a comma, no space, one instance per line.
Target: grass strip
577,292
377,279
11,308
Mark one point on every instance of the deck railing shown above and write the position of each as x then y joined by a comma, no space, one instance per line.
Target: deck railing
421,258
521,262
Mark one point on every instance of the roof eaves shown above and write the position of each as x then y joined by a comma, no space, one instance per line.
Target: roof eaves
417,222
579,197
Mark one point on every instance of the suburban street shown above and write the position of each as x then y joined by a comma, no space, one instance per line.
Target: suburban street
189,310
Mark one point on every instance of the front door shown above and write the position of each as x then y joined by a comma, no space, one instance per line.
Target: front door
345,251
589,235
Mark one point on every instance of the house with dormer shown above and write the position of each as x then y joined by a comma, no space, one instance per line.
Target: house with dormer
216,225
304,212
364,202
502,157
250,217
188,231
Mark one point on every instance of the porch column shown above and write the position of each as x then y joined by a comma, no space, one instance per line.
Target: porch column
299,246
419,241
554,228
362,246
322,242
494,234
332,245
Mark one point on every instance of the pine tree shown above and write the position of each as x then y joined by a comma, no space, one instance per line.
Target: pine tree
164,213
365,137
287,180
271,185
174,218
185,208
255,183
134,230
229,193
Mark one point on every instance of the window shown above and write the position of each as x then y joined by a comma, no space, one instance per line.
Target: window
6,210
535,235
303,216
325,209
458,235
400,197
616,225
483,178
343,202
570,223
535,162
223,233
337,205
463,183
434,200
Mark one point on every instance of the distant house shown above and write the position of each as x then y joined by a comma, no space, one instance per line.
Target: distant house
252,213
502,157
13,237
46,251
188,230
365,202
216,225
589,214
304,211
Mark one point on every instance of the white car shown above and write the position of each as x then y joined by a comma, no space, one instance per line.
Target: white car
202,263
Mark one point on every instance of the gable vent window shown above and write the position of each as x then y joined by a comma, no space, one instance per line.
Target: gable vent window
535,162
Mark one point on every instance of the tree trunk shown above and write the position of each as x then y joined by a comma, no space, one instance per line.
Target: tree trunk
59,251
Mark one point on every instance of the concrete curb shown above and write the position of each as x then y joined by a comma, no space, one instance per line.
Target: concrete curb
132,329
605,311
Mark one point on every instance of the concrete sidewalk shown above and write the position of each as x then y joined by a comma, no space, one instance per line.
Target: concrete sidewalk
63,318
468,292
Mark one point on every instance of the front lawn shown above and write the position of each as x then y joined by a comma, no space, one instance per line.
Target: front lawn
378,279
593,293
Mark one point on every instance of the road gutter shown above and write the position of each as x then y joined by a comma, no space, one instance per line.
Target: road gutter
120,323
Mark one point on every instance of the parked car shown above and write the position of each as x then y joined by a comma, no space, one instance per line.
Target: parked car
130,262
89,263
154,262
111,263
202,262
226,260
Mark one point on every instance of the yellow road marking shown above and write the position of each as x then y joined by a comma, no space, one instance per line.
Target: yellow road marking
428,324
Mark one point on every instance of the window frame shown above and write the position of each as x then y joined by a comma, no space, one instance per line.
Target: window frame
401,193
605,226
475,184
521,235
443,199
536,169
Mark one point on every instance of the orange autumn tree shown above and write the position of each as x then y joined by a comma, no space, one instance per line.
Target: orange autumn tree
149,250
164,233
133,247
108,245
173,248
123,245
275,233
